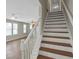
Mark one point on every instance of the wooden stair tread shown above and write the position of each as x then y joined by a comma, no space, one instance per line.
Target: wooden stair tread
65,53
56,31
55,20
56,24
43,57
56,37
55,15
57,43
51,13
55,27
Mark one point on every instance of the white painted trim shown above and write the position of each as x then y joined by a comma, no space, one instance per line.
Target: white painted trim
68,13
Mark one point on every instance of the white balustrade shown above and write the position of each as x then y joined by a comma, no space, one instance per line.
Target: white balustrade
69,20
28,45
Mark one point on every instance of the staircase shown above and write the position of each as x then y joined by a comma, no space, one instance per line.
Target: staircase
56,39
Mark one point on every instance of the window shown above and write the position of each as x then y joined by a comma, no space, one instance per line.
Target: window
15,28
8,29
30,26
24,28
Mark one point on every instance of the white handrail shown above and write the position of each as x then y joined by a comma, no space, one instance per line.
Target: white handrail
70,20
31,32
29,45
68,13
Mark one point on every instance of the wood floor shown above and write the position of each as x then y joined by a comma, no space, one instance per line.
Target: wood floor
13,50
43,57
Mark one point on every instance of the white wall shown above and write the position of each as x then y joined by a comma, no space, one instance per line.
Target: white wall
49,4
69,4
44,5
55,5
24,9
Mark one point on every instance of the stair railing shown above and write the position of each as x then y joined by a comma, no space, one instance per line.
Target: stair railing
69,19
68,13
30,46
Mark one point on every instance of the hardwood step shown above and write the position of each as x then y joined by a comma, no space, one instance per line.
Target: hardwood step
56,24
53,55
65,53
57,47
55,27
43,57
55,12
57,43
56,18
55,15
51,21
56,40
56,32
56,37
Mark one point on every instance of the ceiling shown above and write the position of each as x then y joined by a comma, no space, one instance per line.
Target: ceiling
22,9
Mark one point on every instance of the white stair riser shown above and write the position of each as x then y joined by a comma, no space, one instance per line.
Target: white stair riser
55,14
54,22
56,40
55,17
62,30
55,26
57,47
53,55
51,19
57,34
59,17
